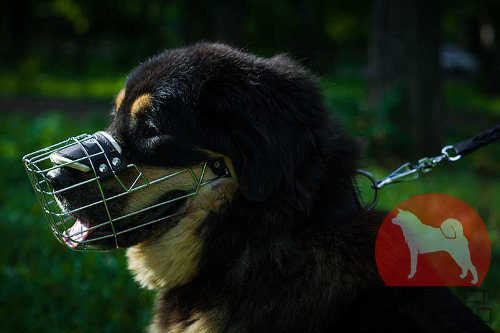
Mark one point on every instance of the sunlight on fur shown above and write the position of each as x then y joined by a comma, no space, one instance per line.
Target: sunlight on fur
150,194
172,259
209,321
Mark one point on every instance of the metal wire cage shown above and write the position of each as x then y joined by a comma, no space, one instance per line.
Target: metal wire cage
65,224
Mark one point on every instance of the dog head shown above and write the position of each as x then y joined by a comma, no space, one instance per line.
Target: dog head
405,218
191,105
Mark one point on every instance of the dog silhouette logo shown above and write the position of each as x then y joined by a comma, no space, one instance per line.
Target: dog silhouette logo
433,240
422,239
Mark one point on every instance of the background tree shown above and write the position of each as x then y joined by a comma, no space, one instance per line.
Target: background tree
404,57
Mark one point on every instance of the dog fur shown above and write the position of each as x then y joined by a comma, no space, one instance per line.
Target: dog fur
281,245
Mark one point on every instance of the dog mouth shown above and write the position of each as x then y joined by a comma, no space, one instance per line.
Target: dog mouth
126,232
78,233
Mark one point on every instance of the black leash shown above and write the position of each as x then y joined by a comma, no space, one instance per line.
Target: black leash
410,171
482,139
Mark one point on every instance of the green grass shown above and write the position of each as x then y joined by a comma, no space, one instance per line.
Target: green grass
461,95
104,87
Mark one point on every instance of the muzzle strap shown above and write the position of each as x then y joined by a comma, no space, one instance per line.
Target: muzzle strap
100,152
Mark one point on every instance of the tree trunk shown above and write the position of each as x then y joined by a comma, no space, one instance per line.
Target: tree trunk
404,55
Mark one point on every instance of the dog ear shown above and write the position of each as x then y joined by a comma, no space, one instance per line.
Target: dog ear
265,124
257,169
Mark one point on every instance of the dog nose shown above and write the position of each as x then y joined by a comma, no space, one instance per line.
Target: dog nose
58,178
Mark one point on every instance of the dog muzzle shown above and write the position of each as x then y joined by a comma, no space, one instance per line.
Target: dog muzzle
99,158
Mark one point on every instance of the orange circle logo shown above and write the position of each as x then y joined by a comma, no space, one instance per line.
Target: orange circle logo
433,240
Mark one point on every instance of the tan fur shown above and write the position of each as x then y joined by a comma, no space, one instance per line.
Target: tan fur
119,99
172,259
149,194
206,322
140,104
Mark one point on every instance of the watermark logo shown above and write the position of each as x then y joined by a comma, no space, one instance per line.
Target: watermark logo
433,240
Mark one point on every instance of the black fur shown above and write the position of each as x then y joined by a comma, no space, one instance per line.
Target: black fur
290,253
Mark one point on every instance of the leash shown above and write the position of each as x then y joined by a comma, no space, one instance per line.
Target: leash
409,171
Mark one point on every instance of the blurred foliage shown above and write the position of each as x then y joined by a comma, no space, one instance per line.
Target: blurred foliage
78,36
93,87
107,36
469,111
467,96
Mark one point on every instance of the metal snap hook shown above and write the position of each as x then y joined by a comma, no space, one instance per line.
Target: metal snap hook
445,150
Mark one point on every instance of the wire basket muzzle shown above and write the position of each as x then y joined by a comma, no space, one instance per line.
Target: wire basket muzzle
89,209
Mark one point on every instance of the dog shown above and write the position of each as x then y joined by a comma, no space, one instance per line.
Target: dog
422,238
278,245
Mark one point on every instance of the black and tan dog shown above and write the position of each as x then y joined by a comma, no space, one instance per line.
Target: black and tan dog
280,245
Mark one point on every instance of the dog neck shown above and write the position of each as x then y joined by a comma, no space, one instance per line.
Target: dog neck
173,258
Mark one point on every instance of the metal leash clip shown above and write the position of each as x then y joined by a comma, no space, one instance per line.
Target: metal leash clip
410,171
407,171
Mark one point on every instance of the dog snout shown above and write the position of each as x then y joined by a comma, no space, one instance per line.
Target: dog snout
59,178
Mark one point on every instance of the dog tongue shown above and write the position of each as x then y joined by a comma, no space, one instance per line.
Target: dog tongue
78,233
